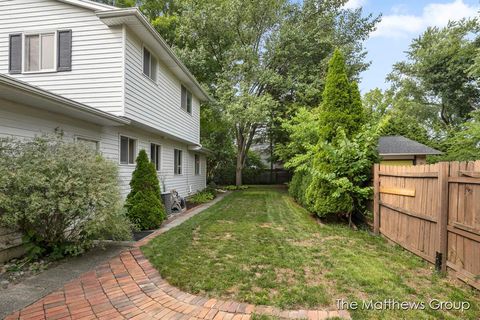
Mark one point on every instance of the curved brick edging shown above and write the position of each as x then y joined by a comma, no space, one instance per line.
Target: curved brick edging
129,287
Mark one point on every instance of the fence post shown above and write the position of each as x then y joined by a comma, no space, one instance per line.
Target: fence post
376,199
443,173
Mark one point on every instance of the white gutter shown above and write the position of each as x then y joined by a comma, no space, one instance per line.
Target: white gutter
89,4
200,149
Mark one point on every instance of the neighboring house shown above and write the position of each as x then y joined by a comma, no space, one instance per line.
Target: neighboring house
400,151
102,76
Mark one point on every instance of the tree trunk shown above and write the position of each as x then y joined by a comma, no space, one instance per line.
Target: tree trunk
243,145
238,170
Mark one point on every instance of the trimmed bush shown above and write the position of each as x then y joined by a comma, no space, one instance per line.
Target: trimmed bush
61,195
144,205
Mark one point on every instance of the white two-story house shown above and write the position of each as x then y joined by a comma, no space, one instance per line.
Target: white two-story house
102,76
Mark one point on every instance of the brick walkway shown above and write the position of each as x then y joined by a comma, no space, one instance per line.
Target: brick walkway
129,287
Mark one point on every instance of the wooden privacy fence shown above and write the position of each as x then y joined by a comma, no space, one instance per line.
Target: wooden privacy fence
433,211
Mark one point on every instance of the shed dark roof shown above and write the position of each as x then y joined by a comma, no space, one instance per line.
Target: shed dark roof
399,145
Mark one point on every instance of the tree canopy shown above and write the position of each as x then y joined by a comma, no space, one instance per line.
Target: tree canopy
437,79
434,95
260,60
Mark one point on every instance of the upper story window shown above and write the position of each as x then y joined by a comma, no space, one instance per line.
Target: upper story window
149,64
177,161
186,100
155,155
128,150
39,52
197,164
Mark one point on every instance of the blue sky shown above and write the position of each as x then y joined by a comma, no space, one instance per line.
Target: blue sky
401,22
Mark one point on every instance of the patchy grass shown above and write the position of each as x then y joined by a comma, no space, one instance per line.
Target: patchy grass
260,247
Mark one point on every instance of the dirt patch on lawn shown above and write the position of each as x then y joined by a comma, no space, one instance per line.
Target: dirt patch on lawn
225,221
314,240
196,235
305,243
271,226
285,275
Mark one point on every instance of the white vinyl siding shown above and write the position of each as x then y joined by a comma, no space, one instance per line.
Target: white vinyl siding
157,105
96,78
26,122
107,74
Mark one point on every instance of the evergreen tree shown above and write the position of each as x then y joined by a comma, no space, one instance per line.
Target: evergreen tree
341,106
144,205
331,176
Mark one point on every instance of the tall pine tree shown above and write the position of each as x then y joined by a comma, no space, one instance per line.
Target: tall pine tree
341,106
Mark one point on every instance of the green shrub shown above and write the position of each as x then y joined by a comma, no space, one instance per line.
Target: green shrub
202,197
340,174
332,150
61,195
336,179
144,205
298,186
233,187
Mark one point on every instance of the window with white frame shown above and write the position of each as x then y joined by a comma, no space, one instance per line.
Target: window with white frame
155,155
39,52
177,161
186,100
90,143
149,64
128,148
197,164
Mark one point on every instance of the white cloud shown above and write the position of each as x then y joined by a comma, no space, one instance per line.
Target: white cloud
434,14
354,4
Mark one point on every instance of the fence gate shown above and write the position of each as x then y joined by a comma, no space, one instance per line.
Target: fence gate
433,211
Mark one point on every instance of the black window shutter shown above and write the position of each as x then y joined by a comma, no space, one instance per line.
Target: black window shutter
15,54
64,50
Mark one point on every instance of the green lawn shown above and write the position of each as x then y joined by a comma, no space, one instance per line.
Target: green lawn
259,246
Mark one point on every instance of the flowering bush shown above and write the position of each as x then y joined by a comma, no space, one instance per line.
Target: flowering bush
60,194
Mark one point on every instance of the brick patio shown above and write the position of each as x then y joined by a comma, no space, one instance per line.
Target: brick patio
129,287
